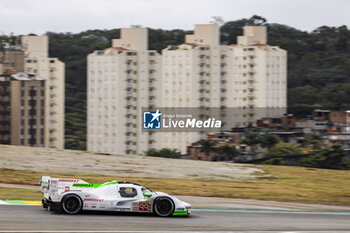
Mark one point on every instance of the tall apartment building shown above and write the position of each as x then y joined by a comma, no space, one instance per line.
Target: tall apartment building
22,109
259,73
245,81
121,80
37,61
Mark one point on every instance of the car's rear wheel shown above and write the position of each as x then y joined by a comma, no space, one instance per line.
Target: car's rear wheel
71,204
164,206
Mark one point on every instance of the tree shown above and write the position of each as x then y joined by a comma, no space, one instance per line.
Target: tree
207,146
283,149
314,140
164,152
257,20
217,20
268,140
330,158
228,151
252,140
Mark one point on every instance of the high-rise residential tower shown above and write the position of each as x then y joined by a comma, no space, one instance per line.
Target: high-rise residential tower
121,80
246,80
37,61
22,109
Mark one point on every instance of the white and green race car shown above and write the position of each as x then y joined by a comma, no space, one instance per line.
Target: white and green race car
74,195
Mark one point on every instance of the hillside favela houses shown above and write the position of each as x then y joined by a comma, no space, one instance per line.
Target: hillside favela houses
32,94
332,127
201,73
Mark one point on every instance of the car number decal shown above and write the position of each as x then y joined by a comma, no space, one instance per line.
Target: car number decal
144,206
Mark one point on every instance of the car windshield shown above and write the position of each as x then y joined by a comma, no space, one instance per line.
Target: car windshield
146,190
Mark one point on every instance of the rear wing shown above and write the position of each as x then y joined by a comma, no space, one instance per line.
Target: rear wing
44,183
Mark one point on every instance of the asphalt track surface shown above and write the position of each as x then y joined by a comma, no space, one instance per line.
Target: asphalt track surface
35,218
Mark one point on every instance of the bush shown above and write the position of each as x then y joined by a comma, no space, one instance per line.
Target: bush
330,158
283,149
274,161
165,153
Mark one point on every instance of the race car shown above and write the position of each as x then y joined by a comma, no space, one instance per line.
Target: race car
72,196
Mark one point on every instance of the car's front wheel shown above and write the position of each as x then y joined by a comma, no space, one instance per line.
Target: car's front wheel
71,204
164,206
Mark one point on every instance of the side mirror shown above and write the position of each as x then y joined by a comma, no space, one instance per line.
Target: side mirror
147,195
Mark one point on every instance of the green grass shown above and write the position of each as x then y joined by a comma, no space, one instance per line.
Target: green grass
293,184
20,194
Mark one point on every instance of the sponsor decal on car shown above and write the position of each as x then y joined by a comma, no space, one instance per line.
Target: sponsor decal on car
93,199
68,180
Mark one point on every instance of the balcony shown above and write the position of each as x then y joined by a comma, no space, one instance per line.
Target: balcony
129,103
251,62
130,129
128,125
152,77
251,78
250,104
202,87
251,94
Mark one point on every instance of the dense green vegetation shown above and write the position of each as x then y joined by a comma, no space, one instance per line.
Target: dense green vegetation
165,153
318,65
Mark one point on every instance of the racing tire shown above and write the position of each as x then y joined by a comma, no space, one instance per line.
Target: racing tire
71,204
164,206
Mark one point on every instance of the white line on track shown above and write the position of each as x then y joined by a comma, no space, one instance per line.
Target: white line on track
177,231
222,210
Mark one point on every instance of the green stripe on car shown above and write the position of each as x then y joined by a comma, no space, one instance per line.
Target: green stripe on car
94,185
180,212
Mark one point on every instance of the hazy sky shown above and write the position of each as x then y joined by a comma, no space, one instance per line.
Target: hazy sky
40,16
